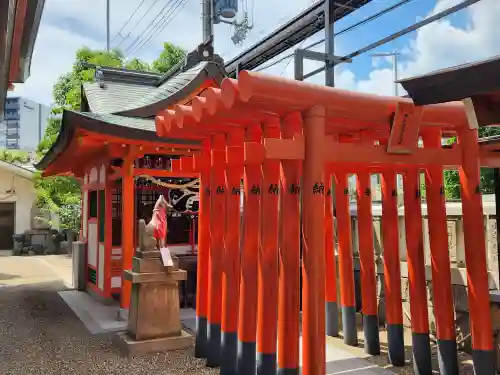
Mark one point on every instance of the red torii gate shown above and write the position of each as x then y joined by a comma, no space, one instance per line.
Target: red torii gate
254,125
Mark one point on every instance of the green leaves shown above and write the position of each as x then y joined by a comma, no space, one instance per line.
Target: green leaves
170,56
14,156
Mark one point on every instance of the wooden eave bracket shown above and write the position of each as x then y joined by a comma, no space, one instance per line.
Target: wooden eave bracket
470,112
403,138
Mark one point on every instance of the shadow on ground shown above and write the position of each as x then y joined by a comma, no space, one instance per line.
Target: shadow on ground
465,364
5,276
41,335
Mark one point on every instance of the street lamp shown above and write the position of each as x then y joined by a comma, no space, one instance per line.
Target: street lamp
395,66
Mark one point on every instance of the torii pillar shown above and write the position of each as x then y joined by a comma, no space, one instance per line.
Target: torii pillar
313,263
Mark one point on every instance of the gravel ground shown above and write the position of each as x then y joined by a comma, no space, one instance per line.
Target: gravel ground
39,334
464,359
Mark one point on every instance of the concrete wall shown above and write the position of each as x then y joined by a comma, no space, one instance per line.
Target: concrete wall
457,258
22,192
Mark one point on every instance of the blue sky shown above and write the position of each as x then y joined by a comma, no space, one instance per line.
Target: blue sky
467,36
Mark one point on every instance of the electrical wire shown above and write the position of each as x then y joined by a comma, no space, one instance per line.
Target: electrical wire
447,12
292,55
148,28
365,21
158,18
129,19
160,27
137,23
347,29
152,26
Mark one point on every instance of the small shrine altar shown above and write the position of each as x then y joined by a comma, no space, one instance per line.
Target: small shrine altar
103,216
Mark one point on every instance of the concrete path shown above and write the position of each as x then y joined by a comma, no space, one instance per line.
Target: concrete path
25,270
99,318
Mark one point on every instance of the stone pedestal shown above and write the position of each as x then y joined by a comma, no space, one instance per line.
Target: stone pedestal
154,317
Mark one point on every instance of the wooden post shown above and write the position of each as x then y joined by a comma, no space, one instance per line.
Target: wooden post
108,235
346,266
496,174
475,255
392,273
202,164
367,262
128,188
313,259
421,347
247,323
217,224
267,313
440,262
331,307
231,275
289,257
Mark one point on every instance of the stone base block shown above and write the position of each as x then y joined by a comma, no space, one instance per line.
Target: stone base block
130,347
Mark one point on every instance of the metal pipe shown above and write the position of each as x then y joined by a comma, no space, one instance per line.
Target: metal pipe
107,26
207,19
329,45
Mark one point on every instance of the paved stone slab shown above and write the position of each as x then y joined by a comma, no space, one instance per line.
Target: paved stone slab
99,318
96,317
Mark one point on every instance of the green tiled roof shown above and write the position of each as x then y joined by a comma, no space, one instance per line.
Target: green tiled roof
139,100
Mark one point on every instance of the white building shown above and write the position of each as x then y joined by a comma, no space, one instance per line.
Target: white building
24,124
17,196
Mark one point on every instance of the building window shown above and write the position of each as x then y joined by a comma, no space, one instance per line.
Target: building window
13,131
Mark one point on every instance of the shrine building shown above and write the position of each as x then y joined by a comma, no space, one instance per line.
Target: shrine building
112,147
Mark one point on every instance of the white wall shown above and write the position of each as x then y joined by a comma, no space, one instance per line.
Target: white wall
23,195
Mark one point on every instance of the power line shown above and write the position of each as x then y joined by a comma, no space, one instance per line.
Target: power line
180,6
129,19
159,27
153,23
174,13
364,21
350,28
416,26
291,57
137,23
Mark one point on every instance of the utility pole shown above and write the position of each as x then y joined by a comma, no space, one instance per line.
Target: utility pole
395,67
107,26
207,19
329,42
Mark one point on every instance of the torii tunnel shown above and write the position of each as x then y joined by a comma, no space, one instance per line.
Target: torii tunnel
287,141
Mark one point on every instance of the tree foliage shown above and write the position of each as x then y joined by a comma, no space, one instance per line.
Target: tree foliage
62,194
169,57
452,178
14,156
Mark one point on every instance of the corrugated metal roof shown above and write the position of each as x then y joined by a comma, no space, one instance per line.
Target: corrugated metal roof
134,100
106,124
125,122
171,86
111,97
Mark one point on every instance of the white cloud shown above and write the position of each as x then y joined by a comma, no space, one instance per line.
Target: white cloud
53,56
440,45
69,24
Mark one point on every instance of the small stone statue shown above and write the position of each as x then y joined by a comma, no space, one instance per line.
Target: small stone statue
152,236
